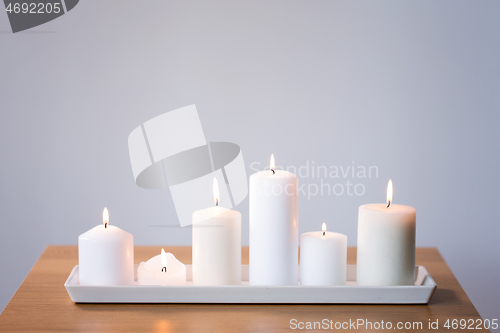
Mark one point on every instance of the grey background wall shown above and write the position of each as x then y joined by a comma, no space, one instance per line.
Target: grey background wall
410,87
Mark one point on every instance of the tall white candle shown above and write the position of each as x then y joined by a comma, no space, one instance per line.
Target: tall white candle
386,244
323,258
216,245
274,227
162,270
106,255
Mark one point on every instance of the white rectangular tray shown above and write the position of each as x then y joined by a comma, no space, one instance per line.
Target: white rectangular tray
420,293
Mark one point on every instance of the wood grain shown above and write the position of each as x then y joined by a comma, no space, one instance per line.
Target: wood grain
42,304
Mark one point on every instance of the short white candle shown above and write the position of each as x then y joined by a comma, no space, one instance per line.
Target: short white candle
216,245
386,244
162,270
323,258
106,255
274,227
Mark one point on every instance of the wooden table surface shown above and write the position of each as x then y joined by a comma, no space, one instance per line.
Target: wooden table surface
42,304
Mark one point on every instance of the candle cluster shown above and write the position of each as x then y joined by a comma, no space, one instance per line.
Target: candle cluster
385,254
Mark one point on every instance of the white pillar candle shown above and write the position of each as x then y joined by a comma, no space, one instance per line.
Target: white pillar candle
274,226
216,245
106,255
386,244
162,270
323,258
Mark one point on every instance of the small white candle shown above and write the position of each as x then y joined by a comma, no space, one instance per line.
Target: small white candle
106,255
216,245
162,270
274,227
323,258
386,244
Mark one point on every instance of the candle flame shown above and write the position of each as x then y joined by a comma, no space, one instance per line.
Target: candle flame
389,193
323,228
105,217
216,192
163,258
272,164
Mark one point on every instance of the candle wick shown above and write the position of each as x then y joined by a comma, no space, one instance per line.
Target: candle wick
105,225
273,171
217,202
324,232
388,203
164,269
